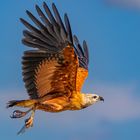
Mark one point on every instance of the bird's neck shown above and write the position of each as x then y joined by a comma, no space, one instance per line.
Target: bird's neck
80,101
86,100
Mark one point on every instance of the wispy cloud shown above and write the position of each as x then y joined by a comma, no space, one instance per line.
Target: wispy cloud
121,102
125,3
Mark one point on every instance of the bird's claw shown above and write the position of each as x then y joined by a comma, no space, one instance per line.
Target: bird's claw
28,124
18,114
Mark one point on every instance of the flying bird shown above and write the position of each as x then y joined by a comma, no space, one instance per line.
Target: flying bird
55,70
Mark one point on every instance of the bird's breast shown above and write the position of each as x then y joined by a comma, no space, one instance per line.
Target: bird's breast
61,103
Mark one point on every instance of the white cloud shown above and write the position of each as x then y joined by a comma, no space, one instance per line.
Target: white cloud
125,3
121,102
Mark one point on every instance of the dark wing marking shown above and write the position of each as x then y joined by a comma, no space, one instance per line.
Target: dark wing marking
59,20
83,56
82,52
53,33
68,27
30,61
47,35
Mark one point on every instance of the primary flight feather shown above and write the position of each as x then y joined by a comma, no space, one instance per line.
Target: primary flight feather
53,72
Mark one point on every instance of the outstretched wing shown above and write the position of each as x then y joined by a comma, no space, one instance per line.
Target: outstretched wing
49,35
83,57
52,68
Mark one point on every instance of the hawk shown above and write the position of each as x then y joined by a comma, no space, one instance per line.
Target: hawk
55,70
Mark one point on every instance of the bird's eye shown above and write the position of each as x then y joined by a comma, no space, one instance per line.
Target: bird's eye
94,97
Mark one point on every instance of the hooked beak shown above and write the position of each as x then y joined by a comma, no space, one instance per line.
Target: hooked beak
101,98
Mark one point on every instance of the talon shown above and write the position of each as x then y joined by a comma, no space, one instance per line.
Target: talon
29,122
18,114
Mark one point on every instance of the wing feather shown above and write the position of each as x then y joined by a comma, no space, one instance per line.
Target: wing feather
60,63
43,17
68,27
83,57
82,53
55,73
59,20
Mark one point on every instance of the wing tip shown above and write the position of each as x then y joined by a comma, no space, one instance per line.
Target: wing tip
45,5
21,20
53,4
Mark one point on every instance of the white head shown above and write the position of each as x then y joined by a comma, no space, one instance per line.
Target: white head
90,99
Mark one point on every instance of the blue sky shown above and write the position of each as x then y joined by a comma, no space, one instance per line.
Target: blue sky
112,31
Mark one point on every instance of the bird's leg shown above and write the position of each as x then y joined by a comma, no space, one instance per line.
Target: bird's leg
19,114
28,123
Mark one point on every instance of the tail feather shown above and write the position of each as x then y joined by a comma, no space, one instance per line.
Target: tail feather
21,103
12,103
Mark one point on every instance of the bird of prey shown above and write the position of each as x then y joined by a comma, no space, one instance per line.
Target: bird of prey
55,70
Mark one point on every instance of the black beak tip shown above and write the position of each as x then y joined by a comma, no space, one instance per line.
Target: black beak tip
101,99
